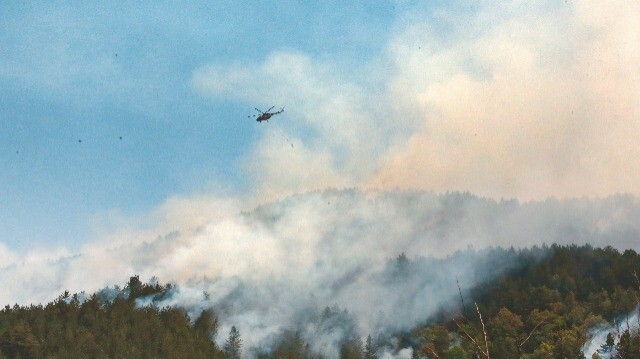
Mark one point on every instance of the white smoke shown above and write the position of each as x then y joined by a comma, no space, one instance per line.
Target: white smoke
511,99
598,335
401,354
279,266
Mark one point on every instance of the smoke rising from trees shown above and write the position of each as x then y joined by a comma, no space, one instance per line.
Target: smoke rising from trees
330,265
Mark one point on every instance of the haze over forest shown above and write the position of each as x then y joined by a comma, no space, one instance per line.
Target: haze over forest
265,270
421,130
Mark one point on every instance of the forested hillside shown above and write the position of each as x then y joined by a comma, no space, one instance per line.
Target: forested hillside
544,309
106,325
557,302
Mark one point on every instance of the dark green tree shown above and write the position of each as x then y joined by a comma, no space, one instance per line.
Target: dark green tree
233,345
608,345
292,346
504,329
206,325
19,342
370,349
568,345
629,345
351,349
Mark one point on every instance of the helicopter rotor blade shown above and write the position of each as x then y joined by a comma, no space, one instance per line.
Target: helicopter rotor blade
270,108
258,110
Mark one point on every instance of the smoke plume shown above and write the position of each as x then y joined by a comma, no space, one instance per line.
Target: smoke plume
328,265
516,100
598,335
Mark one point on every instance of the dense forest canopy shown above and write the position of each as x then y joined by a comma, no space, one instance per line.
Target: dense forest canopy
557,302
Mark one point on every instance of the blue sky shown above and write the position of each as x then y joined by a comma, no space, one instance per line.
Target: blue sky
113,109
74,71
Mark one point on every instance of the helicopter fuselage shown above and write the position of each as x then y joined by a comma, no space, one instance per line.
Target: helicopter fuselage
265,116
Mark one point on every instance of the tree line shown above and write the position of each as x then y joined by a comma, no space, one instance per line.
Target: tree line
544,307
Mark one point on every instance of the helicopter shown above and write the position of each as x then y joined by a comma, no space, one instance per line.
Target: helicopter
265,116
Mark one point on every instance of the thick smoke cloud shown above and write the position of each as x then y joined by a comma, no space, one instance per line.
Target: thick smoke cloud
524,100
277,267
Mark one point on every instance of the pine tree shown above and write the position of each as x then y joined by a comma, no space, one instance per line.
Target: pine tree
19,342
206,324
370,349
233,345
629,346
608,345
351,349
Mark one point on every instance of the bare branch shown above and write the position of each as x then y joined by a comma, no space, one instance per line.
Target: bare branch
530,334
433,351
471,339
486,343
